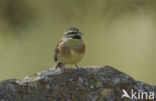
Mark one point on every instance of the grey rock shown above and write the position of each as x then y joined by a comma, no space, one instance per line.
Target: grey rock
82,84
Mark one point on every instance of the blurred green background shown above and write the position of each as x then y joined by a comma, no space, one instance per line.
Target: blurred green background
120,33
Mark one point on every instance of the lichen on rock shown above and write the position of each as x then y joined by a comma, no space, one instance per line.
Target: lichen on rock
82,84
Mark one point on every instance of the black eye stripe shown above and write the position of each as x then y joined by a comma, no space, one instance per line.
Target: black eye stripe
71,33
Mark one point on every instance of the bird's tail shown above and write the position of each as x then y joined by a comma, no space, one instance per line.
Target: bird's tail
59,65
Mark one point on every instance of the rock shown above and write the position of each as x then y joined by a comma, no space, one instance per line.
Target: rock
82,84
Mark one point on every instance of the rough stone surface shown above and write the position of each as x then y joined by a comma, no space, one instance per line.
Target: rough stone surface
83,84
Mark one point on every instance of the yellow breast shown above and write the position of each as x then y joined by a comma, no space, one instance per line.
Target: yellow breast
72,58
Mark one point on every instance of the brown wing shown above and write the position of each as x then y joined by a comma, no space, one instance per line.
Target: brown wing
60,48
57,51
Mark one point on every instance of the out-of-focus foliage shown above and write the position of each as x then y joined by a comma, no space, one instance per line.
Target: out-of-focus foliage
120,33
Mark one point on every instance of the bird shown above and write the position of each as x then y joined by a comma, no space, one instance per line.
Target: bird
70,49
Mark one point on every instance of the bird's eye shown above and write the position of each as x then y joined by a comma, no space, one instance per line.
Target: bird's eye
71,33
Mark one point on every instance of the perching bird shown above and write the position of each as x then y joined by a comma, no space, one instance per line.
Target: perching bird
70,49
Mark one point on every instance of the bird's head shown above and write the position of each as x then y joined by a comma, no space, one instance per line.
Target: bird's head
73,33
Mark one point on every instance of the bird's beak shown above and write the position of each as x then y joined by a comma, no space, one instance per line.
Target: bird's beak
80,33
